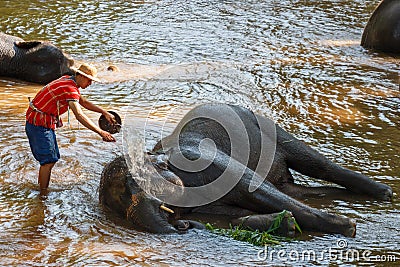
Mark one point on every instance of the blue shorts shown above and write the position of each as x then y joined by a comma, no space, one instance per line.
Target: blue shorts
43,143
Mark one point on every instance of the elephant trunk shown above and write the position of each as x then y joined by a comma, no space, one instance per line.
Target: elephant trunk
149,213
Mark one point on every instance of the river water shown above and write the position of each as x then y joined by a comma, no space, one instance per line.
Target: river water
298,62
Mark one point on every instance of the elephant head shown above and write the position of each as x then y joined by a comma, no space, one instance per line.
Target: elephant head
121,194
33,61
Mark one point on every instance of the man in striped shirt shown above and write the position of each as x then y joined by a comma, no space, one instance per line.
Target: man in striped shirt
43,116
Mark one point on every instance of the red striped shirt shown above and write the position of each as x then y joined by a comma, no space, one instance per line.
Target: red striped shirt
53,100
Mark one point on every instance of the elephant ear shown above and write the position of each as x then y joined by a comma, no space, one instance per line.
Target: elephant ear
27,45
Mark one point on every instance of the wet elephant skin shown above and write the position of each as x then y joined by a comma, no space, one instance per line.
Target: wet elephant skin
276,192
32,61
382,32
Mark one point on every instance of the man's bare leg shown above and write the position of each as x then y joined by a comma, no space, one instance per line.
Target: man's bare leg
44,177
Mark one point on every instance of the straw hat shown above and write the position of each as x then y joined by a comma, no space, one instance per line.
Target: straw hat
88,71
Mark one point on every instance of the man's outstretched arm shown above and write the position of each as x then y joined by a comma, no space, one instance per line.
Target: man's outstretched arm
82,118
92,107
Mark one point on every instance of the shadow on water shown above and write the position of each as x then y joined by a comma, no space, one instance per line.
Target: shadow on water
297,62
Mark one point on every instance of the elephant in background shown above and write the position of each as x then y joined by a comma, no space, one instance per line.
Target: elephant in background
228,126
32,61
382,32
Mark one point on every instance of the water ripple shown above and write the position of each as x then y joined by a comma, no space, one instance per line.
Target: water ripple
298,62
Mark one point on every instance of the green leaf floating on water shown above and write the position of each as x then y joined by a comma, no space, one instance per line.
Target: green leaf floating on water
256,237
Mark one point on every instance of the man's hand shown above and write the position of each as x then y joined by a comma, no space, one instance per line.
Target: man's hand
110,117
107,137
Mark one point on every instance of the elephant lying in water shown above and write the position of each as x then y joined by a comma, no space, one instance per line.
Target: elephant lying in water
382,32
32,61
205,151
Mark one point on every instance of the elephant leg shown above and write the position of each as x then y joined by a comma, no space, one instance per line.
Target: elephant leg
302,192
283,180
265,199
308,161
264,222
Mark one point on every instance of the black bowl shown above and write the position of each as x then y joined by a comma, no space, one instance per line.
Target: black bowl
111,128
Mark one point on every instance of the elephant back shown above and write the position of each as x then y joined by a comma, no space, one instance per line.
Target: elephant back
382,32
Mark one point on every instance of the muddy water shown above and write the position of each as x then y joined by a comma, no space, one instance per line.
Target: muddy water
297,62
